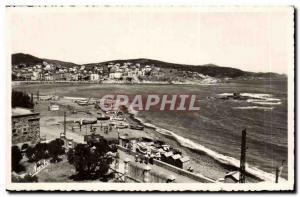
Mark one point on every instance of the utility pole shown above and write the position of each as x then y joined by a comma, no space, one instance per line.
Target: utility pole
31,97
65,124
277,174
279,171
243,157
38,95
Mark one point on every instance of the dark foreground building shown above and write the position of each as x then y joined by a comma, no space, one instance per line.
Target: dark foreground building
25,126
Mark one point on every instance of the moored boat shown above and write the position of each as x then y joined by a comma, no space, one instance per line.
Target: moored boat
103,118
137,127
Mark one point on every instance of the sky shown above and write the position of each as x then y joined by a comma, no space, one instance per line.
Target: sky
251,39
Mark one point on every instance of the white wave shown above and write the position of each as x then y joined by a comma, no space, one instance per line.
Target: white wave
266,103
226,94
74,98
258,98
254,107
257,95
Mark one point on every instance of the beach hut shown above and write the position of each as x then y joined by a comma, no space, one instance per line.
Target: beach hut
134,145
53,107
123,140
174,158
165,157
182,162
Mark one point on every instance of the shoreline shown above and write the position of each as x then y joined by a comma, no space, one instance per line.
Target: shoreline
225,161
19,83
170,136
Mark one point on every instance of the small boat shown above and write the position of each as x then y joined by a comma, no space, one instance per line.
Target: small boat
103,118
85,122
118,118
122,126
89,122
119,113
136,127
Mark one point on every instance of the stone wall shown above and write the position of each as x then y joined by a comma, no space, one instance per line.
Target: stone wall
25,128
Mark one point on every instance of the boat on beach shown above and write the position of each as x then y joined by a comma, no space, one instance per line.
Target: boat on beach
122,126
118,118
137,127
85,122
103,118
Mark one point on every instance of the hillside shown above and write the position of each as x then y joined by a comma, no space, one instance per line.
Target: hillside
21,58
207,69
210,70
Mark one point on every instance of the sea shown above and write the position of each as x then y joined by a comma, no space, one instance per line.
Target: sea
215,130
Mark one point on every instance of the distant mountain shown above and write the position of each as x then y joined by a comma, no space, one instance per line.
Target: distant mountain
206,69
211,70
266,75
21,58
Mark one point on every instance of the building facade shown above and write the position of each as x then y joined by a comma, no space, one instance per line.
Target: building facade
25,126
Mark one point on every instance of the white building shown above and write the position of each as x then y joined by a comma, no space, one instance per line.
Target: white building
115,75
147,68
94,77
35,76
141,73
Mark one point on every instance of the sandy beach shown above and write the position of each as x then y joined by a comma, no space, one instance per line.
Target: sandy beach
51,124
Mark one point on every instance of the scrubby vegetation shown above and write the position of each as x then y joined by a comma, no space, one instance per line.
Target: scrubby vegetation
21,99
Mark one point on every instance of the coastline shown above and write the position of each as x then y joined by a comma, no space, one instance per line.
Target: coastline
19,83
227,162
194,149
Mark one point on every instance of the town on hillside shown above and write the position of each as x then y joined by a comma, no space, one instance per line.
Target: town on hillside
126,72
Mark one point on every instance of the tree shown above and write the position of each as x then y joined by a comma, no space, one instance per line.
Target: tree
21,99
30,153
41,151
56,149
90,160
16,157
38,152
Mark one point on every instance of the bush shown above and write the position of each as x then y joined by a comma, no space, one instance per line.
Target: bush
21,99
16,157
26,179
56,149
38,152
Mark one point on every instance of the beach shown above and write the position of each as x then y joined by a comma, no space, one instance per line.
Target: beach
202,136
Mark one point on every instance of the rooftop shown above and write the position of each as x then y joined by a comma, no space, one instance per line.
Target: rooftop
177,156
184,159
168,154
